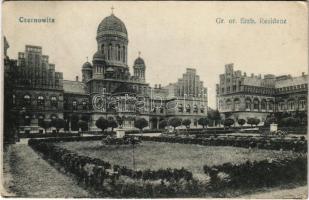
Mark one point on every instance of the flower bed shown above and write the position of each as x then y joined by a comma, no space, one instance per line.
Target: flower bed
120,181
102,175
42,135
238,141
263,173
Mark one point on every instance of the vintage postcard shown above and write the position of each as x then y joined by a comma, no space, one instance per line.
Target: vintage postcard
154,99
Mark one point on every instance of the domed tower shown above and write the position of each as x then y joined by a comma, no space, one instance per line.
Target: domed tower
112,40
87,71
139,68
99,65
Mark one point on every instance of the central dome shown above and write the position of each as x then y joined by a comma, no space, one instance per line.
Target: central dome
111,25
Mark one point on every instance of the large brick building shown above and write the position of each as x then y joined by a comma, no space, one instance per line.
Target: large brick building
106,89
254,96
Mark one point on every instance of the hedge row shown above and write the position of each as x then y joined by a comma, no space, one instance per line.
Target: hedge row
73,162
42,135
263,173
238,141
111,179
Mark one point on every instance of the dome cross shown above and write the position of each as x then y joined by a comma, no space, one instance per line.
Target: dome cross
139,54
112,8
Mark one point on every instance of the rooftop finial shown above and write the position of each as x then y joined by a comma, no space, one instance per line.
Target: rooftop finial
139,54
112,8
87,58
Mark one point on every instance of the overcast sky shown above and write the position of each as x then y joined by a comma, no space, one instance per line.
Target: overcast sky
171,36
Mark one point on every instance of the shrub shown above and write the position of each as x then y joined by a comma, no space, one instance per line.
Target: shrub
290,122
58,124
83,125
45,124
203,122
269,172
228,122
102,123
269,120
241,122
186,123
112,124
253,121
140,123
174,122
162,124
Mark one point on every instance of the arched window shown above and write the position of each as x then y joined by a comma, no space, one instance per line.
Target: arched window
102,49
202,108
228,104
74,105
40,100
302,104
53,101
236,104
263,104
188,108
281,105
248,104
180,108
109,52
27,99
118,52
13,99
220,105
84,105
290,105
124,54
53,116
256,104
195,108
270,105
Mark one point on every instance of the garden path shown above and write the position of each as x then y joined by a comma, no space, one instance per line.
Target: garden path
26,174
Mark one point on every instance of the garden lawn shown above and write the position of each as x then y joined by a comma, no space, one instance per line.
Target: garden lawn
156,155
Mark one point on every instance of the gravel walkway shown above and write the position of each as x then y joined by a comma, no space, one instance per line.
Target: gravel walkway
26,174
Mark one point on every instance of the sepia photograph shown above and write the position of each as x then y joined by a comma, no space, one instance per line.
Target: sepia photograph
154,99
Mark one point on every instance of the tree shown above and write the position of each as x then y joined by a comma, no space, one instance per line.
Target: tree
217,117
74,122
140,123
269,120
174,122
45,124
58,124
83,125
241,122
186,123
256,121
102,123
112,124
251,121
228,122
162,124
290,121
203,122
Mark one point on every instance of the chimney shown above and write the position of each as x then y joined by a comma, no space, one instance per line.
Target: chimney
159,86
76,78
156,86
252,75
303,73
